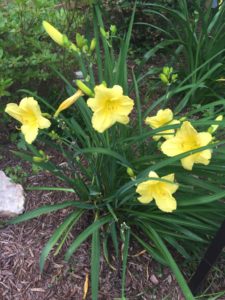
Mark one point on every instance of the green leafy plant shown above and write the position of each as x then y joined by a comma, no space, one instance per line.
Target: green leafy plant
4,85
25,61
110,165
17,174
195,34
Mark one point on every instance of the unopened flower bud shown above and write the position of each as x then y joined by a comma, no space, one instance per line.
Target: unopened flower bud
130,172
38,159
85,89
113,29
164,78
93,44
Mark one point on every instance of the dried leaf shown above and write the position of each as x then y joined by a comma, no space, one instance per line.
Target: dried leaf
86,284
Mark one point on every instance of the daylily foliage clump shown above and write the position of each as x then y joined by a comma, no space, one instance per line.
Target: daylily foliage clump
143,173
110,106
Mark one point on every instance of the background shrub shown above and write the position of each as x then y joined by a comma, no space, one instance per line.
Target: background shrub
25,52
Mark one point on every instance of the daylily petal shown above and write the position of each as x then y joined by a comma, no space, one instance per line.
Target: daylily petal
101,121
186,131
206,154
167,134
14,111
145,199
204,157
126,105
43,123
156,137
92,103
117,91
165,115
101,92
144,189
153,174
166,202
123,119
188,162
30,105
204,138
172,147
171,187
30,133
152,182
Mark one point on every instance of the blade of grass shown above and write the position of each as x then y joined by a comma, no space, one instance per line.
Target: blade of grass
40,211
85,234
74,217
95,264
171,262
125,256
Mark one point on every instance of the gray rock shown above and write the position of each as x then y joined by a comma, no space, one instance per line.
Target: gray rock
79,75
11,197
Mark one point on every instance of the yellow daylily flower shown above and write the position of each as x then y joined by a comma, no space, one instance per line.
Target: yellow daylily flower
28,113
57,36
160,191
68,102
163,117
109,106
186,139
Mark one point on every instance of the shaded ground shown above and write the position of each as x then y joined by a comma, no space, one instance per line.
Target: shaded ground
21,245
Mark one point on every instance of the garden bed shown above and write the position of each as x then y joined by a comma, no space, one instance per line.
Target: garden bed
21,245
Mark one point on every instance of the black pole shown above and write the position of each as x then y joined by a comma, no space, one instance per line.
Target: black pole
212,253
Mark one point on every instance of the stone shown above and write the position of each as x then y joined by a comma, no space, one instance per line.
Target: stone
79,75
11,197
154,280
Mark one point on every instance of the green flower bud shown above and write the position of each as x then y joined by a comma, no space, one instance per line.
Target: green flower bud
93,44
166,71
80,40
170,70
113,29
38,159
130,172
41,152
174,77
85,89
85,49
164,78
104,33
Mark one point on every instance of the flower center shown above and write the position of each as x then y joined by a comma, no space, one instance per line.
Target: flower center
189,145
29,117
111,106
